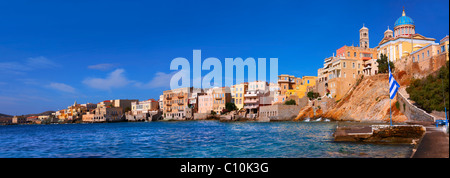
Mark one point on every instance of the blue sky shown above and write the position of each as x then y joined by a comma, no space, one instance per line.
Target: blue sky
55,52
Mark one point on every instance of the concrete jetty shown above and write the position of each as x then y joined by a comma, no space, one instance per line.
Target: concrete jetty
396,134
434,144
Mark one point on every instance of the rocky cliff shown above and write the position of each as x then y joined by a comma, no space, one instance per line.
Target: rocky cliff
367,101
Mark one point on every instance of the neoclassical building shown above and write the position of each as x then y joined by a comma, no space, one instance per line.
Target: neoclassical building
404,40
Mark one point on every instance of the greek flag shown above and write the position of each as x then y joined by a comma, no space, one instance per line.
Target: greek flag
393,85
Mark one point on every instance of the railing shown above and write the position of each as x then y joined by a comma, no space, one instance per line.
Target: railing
251,107
250,95
251,101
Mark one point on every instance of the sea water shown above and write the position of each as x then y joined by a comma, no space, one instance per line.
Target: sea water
187,139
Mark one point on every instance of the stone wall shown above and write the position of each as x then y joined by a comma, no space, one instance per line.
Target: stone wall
200,116
413,113
279,112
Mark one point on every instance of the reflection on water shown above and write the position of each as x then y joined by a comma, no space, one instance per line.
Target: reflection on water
197,139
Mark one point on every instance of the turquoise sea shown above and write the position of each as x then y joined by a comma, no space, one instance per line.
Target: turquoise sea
186,139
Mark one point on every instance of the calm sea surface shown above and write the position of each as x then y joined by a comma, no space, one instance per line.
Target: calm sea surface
186,139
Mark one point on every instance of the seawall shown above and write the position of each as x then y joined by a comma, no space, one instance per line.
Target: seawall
396,134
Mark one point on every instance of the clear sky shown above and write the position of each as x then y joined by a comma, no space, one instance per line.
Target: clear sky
55,52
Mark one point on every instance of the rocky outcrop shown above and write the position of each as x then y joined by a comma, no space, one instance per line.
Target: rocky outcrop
368,101
403,134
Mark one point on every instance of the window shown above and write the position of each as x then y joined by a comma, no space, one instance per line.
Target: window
359,66
354,54
344,64
307,81
414,59
423,56
348,54
353,65
428,53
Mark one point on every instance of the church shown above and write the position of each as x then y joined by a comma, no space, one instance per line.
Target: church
403,41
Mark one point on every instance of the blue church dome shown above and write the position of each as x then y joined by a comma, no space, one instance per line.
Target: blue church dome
404,20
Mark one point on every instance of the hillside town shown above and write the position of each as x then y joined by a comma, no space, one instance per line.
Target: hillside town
264,101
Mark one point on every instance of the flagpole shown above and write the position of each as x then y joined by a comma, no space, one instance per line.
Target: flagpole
390,105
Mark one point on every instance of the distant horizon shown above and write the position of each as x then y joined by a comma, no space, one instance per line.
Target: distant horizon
54,53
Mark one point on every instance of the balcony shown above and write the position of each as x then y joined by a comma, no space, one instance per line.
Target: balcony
254,101
251,106
180,96
250,95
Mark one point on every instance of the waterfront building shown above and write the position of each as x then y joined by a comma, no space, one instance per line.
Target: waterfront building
73,112
18,120
205,102
161,103
176,103
33,119
221,96
287,82
43,117
258,94
300,88
88,117
144,107
237,92
108,114
193,102
403,41
125,104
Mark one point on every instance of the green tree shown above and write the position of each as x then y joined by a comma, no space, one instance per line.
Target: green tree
312,95
230,106
429,92
383,64
290,102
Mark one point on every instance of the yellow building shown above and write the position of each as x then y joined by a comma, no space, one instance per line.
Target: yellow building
403,40
300,89
445,46
237,93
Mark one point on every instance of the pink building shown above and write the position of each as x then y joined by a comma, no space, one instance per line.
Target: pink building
205,103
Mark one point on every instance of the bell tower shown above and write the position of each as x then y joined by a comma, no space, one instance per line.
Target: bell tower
364,37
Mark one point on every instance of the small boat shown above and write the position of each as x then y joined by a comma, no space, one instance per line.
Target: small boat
327,120
306,120
319,119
